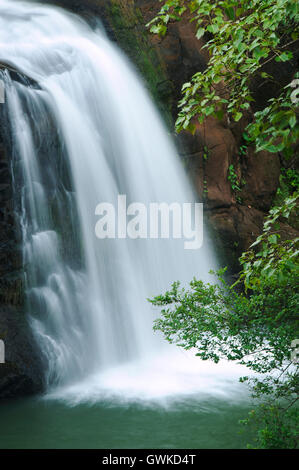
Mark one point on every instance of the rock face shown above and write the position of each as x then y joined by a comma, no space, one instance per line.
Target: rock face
21,373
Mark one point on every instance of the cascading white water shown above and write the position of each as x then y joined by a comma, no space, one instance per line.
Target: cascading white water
86,133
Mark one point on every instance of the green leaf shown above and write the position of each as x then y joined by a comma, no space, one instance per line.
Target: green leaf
200,32
272,239
284,56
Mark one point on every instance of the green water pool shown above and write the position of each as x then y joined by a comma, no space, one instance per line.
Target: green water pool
38,423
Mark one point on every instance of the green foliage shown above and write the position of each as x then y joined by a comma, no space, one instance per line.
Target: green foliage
276,128
276,427
288,183
221,323
255,327
233,178
276,260
235,184
242,37
292,178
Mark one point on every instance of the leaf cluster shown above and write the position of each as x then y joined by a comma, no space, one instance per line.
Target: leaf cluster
241,38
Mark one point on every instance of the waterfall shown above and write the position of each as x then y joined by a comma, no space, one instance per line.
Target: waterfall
84,131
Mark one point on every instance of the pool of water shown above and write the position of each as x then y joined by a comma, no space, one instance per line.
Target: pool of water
39,423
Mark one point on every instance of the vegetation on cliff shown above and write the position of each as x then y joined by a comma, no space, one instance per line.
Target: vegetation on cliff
242,38
257,323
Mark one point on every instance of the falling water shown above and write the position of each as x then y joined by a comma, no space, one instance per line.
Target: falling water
84,130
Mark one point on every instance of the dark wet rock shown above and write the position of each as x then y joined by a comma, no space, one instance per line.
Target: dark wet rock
20,375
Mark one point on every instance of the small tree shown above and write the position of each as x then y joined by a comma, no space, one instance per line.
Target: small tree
256,327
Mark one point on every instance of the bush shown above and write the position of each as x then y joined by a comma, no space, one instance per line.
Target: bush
256,327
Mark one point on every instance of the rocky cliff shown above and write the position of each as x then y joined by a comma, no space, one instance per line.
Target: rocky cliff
21,372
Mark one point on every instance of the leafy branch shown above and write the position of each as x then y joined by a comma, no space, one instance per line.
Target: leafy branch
244,37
